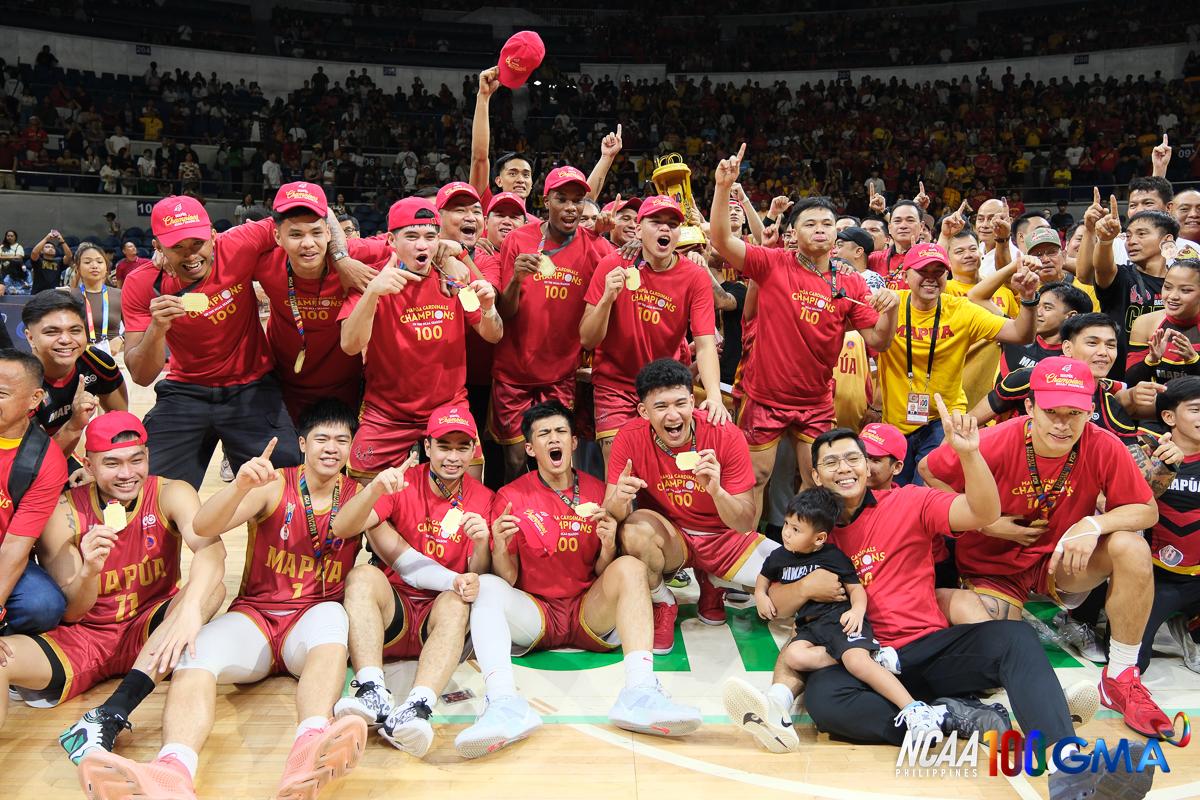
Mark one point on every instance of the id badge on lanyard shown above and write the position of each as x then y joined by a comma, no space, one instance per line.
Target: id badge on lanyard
917,406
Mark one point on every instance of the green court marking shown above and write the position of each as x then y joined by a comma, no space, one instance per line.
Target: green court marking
570,661
1057,656
754,641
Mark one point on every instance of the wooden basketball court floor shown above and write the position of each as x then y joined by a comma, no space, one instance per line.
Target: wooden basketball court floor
577,753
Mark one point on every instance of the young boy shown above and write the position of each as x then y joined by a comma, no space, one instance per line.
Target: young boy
841,627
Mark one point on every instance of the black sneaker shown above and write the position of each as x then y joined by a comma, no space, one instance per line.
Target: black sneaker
97,729
966,715
1104,785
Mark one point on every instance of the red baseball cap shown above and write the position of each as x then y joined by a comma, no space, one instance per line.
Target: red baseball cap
1060,382
179,217
454,418
633,202
881,439
412,211
453,190
506,199
520,56
566,176
301,194
923,255
658,203
105,428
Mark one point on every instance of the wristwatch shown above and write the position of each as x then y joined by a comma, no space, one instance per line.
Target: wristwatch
1032,303
338,255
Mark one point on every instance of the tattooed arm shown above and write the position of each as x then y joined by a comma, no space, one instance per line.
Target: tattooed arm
1158,472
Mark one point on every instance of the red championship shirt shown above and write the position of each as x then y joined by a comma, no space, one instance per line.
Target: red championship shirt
125,267
479,351
1103,467
143,566
283,572
40,498
802,329
224,345
889,541
651,321
541,343
673,492
416,513
557,548
417,358
327,368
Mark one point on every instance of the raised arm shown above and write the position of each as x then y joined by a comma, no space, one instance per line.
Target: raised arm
1021,330
731,247
481,130
255,489
609,147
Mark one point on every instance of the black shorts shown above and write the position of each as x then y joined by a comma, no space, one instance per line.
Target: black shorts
826,631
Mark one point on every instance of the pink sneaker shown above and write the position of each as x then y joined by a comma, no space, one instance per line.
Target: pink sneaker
321,756
108,776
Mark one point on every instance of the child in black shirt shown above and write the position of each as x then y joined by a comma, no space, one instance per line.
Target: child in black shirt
840,628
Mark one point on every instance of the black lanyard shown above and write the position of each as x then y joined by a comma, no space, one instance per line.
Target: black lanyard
835,292
571,501
455,497
663,445
933,337
1046,500
183,291
295,306
319,548
566,243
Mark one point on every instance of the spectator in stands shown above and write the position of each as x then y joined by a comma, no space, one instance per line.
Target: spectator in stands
9,151
102,304
89,167
117,142
272,174
1063,220
190,173
110,176
243,208
12,263
48,264
129,262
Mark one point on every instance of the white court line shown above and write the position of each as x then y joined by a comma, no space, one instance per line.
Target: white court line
1176,792
729,773
1021,786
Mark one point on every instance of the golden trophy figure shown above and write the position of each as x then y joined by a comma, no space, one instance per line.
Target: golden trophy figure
673,178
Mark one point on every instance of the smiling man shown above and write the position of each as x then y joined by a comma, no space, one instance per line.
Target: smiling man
643,308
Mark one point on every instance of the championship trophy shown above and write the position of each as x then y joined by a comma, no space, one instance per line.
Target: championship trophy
673,178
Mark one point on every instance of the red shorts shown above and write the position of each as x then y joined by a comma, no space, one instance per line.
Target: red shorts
1015,589
377,446
275,626
719,554
405,636
563,626
509,404
614,408
90,654
764,426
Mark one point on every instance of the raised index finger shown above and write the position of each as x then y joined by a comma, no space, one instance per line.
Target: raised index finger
943,412
1096,195
741,152
619,131
1112,202
270,448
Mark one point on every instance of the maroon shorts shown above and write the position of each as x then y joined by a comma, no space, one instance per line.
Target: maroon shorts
764,426
405,636
563,626
1015,589
89,654
275,626
614,408
377,446
719,554
509,404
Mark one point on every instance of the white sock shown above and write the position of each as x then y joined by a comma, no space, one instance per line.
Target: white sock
310,724
639,669
492,640
783,696
662,594
186,755
1121,657
370,675
421,694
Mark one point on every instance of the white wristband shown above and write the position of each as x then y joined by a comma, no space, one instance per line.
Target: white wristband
1097,532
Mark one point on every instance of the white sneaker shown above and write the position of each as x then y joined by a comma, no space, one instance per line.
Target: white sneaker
505,720
920,719
760,716
1177,625
373,702
888,658
648,709
226,471
1083,701
408,729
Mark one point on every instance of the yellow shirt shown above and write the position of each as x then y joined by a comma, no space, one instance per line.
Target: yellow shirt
962,324
851,382
983,357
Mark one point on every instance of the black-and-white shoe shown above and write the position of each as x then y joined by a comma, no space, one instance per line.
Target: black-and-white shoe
96,730
408,728
371,701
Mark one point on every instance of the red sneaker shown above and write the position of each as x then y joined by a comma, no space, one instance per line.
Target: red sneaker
321,756
108,776
711,608
1126,694
664,627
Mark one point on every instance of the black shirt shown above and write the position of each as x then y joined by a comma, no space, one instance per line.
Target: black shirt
1131,294
1010,393
1023,356
731,330
100,375
784,566
47,274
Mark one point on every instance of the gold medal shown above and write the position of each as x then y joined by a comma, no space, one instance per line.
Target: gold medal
114,516
469,299
633,279
545,266
451,522
587,510
195,302
299,362
687,461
